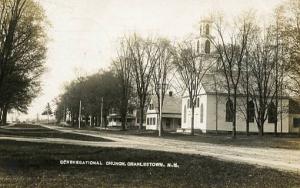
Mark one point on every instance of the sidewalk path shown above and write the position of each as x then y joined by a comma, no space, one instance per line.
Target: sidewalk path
282,159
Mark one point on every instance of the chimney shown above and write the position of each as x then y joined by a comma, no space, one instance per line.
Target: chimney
170,93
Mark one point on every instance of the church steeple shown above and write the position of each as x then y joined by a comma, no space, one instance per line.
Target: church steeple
203,42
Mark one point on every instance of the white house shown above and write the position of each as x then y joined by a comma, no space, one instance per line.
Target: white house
171,113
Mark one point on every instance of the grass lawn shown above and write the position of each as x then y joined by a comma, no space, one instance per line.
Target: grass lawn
24,164
36,131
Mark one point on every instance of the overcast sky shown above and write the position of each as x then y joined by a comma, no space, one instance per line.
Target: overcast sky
84,33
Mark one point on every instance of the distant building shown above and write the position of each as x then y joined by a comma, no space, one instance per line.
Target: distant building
114,119
171,113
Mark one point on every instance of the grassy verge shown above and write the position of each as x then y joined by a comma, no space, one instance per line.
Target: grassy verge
37,131
24,164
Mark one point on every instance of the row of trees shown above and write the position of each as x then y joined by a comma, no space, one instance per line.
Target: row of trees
247,59
93,92
22,54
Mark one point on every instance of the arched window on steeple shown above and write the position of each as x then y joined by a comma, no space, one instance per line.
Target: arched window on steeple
207,47
207,29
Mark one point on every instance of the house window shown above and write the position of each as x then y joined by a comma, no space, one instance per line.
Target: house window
168,123
296,122
147,121
184,114
229,111
201,113
198,100
207,47
207,29
154,121
272,113
251,112
198,46
188,103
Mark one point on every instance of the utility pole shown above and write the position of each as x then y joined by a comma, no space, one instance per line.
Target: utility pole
160,99
160,111
101,118
79,117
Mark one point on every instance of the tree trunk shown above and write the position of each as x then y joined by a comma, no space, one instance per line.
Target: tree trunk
260,132
141,115
247,98
275,128
247,120
261,125
192,121
4,116
217,112
234,116
247,113
123,112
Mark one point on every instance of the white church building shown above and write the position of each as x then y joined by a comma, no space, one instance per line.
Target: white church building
212,105
212,112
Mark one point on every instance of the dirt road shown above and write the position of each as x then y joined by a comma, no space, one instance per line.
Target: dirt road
282,159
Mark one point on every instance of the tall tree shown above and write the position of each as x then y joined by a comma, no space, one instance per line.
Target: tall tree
191,66
123,67
231,51
289,12
263,79
22,52
161,74
143,54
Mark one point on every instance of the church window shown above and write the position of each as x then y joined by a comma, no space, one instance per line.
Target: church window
201,113
272,113
229,111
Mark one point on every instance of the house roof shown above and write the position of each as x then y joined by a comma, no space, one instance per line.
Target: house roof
171,104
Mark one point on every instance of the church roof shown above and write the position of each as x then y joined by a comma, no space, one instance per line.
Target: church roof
213,83
217,82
